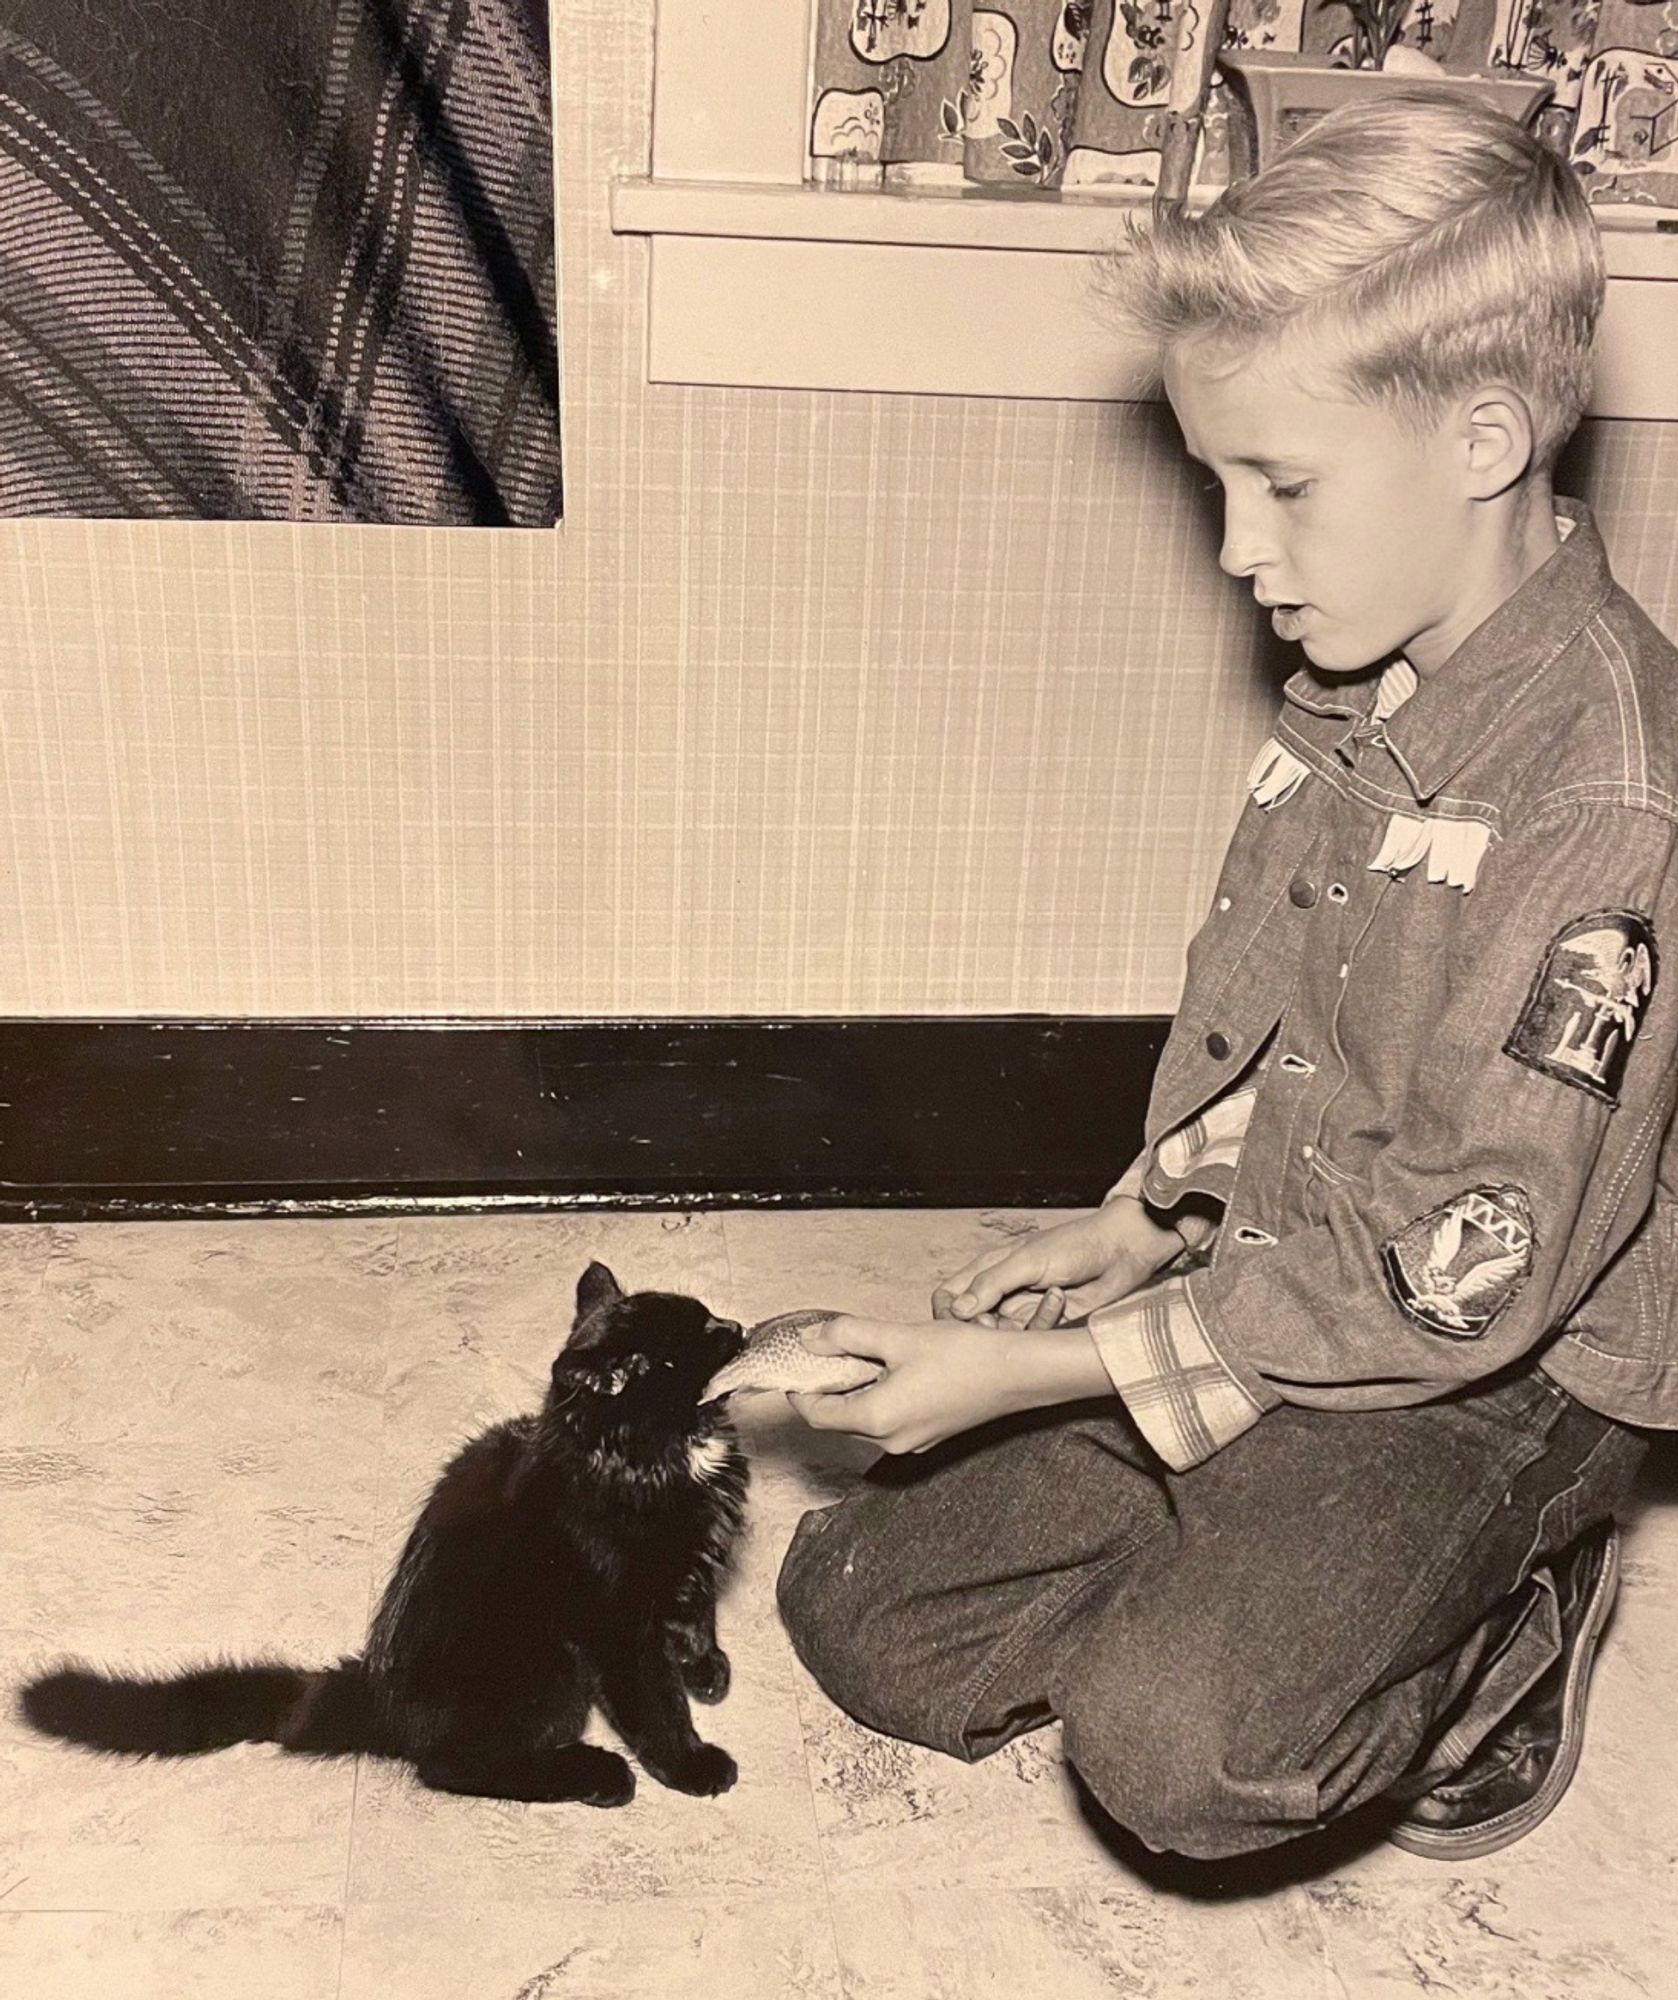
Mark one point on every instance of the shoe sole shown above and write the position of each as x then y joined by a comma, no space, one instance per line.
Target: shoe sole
1438,1844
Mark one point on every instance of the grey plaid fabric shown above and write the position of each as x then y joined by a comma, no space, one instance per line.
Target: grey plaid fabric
278,259
1184,1398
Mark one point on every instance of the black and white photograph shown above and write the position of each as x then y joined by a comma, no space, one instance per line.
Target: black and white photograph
839,1013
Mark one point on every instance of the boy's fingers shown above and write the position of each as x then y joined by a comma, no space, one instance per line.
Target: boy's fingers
868,1339
1023,1315
1020,1271
1048,1311
1024,1309
829,1413
975,1281
945,1295
1099,1292
943,1307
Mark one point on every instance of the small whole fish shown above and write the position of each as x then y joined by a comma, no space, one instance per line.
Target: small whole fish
775,1358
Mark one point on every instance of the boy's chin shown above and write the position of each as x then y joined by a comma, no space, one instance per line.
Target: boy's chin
1329,658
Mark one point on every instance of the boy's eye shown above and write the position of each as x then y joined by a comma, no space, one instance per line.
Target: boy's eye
1295,492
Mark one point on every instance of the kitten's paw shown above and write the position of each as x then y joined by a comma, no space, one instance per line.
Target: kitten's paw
707,1678
708,1771
604,1780
578,1773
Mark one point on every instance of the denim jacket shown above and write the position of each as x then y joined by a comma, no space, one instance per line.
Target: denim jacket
1425,1053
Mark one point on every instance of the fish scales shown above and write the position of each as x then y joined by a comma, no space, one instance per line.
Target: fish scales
775,1358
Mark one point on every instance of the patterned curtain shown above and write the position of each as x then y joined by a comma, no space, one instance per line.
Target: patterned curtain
1626,137
1072,93
278,259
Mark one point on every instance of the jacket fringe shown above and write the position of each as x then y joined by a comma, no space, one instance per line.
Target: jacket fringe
1452,848
1275,775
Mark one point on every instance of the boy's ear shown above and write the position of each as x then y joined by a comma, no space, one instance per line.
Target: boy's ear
596,1289
1499,434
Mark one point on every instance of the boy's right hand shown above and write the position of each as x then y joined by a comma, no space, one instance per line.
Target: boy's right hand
1092,1260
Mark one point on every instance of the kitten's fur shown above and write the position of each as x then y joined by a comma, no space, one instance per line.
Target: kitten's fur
563,1559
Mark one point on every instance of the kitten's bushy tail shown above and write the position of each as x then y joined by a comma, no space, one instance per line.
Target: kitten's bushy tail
325,1714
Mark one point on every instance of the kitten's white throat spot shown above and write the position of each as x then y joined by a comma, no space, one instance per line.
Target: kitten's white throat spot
707,1457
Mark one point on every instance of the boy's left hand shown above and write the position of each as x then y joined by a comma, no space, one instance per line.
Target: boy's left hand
942,1377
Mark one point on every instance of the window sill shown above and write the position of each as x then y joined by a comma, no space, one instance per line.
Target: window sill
966,291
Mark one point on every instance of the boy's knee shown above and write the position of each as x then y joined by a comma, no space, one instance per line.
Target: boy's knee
863,1641
1172,1770
835,1625
804,1601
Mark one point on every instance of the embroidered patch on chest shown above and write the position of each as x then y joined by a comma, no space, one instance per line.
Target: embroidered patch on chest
1454,1269
1587,1002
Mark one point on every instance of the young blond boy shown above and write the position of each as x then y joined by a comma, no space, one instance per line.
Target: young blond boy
1331,1521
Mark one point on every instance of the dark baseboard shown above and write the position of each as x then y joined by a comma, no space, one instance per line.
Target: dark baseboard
180,1118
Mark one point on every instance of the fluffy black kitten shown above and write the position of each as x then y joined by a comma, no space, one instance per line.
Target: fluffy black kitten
563,1559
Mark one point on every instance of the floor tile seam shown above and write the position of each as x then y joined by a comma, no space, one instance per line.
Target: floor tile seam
743,1898
223,1909
380,1471
382,1431
349,1863
1330,1963
727,1255
226,1440
845,1986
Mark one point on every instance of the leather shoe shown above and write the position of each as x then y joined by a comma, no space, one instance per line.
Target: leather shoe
1518,1775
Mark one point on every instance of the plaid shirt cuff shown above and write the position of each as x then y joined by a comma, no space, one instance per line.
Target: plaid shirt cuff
1199,1156
1195,1229
1186,1403
1206,1149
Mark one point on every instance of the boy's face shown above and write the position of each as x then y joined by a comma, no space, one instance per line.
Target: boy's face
1330,508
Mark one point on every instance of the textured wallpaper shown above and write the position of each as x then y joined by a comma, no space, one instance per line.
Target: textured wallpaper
815,704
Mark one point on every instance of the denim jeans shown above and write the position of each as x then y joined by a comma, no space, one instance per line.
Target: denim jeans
1336,1606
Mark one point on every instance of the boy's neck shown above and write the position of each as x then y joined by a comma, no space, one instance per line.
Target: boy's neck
1509,539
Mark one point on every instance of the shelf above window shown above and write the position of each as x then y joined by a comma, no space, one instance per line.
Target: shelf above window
980,292
971,217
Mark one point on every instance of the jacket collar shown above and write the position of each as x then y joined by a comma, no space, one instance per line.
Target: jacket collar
1454,711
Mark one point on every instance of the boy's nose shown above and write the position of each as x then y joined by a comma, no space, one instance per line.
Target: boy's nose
1240,557
1247,545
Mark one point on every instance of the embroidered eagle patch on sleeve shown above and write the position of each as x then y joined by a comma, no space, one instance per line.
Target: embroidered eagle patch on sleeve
1587,1001
1454,1269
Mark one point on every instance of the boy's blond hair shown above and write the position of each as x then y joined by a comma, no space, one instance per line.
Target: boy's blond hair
1429,241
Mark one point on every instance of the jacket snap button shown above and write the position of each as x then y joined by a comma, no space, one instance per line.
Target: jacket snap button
1217,1046
1302,894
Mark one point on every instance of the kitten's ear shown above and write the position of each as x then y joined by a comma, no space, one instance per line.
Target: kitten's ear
596,1288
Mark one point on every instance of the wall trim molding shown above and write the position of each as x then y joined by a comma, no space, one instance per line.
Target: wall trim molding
167,1118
